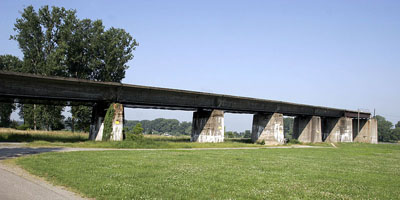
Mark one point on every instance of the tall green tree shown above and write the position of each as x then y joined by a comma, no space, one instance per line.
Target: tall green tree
398,124
384,129
56,43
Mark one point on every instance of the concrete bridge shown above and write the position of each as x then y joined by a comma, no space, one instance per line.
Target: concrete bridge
312,123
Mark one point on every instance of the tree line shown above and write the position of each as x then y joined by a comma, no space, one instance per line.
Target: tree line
161,126
54,42
174,127
386,131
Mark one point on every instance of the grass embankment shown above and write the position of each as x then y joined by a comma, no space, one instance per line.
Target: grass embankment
352,171
69,139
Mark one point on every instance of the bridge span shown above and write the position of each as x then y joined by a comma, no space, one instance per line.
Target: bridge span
312,123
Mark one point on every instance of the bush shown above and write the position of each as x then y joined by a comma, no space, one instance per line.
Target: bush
135,134
261,142
133,137
23,127
294,141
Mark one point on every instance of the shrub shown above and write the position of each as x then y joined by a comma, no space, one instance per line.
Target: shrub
294,141
136,133
133,137
261,142
23,127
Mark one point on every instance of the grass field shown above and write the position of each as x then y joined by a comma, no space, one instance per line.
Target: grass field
69,139
13,135
351,171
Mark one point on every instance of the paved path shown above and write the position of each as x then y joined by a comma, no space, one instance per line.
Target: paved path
15,183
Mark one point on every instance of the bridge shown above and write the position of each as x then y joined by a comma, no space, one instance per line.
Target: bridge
312,123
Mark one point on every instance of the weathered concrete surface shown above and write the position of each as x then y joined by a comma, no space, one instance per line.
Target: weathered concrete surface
97,126
118,123
99,111
268,128
337,129
368,131
208,126
307,129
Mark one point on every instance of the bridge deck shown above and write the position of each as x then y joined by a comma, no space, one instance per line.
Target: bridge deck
27,86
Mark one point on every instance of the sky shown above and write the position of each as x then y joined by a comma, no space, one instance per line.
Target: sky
341,54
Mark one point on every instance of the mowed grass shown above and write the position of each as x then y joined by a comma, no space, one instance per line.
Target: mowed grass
351,171
69,139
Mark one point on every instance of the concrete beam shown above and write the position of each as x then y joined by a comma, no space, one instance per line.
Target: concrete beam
307,129
208,126
28,86
368,131
268,128
337,130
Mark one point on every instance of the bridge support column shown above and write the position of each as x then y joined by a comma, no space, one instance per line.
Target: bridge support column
337,129
97,124
268,128
307,129
368,131
208,126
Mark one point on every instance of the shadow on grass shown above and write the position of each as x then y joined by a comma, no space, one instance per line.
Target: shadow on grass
187,139
6,153
239,140
40,137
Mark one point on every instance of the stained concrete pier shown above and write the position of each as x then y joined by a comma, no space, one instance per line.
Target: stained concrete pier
97,124
307,129
268,128
368,131
337,129
208,126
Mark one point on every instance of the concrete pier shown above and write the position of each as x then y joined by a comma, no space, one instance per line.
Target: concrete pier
97,125
337,129
368,131
307,129
208,126
268,128
118,123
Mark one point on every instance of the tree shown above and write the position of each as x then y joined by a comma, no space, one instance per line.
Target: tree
288,127
56,43
138,129
398,124
160,125
8,63
247,134
384,129
5,112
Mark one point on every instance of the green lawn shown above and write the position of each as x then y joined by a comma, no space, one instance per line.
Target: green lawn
352,171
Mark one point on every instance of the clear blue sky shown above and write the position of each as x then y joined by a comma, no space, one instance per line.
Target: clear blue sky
342,54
